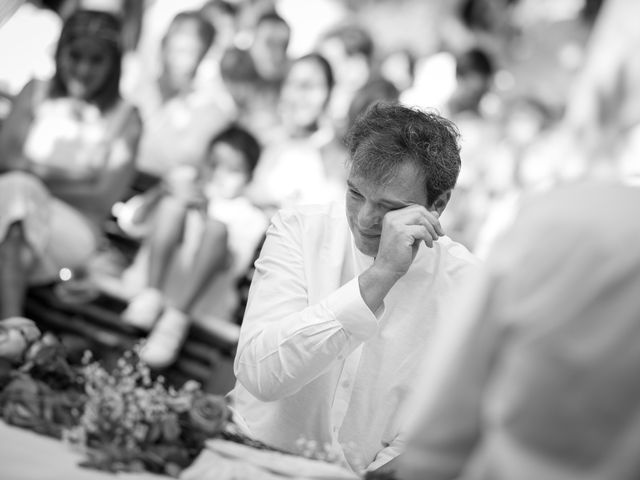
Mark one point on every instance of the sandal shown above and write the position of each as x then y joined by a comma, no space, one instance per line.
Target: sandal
144,309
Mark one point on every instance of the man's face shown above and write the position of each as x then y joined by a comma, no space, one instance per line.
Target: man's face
368,201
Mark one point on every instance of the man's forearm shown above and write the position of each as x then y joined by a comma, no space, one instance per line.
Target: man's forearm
375,284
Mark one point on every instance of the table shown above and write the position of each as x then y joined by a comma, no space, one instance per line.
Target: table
25,455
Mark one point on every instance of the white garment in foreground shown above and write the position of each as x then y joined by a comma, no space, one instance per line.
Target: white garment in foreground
313,362
537,377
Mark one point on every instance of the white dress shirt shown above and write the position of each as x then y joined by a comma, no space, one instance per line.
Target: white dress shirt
537,376
313,361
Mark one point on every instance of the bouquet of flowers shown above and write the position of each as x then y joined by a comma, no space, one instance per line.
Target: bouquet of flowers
122,419
44,393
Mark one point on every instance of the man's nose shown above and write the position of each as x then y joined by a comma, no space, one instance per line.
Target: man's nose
369,217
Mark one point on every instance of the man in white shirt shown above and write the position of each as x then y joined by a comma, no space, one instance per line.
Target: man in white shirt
342,306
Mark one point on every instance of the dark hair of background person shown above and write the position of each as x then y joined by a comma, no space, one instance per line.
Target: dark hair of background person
236,65
242,140
100,25
474,60
204,29
356,40
227,7
476,14
387,135
271,16
590,10
325,66
375,90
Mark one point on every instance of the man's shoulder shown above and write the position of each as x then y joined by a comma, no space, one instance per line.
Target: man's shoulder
315,228
457,257
314,215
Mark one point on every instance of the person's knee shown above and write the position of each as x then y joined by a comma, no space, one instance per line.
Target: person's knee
14,247
215,233
21,179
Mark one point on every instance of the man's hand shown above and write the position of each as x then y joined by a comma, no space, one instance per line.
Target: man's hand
402,232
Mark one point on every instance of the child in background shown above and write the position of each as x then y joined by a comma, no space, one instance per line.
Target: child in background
188,267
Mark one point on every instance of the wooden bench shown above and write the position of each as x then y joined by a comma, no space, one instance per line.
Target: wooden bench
207,355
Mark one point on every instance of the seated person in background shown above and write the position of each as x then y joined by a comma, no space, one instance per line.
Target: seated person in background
180,117
480,178
269,48
303,162
375,90
67,151
350,49
342,304
241,93
536,376
197,249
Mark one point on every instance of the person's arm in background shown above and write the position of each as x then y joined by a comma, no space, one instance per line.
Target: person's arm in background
604,99
117,175
15,129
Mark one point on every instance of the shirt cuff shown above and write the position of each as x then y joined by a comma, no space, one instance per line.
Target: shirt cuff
349,308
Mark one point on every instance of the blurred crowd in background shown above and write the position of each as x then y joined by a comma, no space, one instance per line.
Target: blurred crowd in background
226,110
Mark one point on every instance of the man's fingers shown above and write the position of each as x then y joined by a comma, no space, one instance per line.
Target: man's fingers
419,233
417,215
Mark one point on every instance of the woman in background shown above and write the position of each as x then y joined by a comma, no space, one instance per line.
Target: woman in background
67,154
304,163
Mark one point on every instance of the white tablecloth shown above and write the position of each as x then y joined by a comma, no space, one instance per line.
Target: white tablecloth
25,455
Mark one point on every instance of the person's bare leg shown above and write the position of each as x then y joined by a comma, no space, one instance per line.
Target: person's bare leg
13,272
168,335
211,257
165,239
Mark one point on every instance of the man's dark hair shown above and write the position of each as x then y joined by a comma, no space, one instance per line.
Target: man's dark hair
387,135
242,140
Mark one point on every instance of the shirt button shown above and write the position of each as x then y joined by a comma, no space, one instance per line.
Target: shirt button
346,384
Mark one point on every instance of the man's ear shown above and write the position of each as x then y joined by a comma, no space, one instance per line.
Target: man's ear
440,203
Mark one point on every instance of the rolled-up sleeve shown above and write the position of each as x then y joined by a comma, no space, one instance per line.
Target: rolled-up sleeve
285,342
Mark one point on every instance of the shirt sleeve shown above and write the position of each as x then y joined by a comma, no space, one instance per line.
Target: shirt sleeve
285,342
